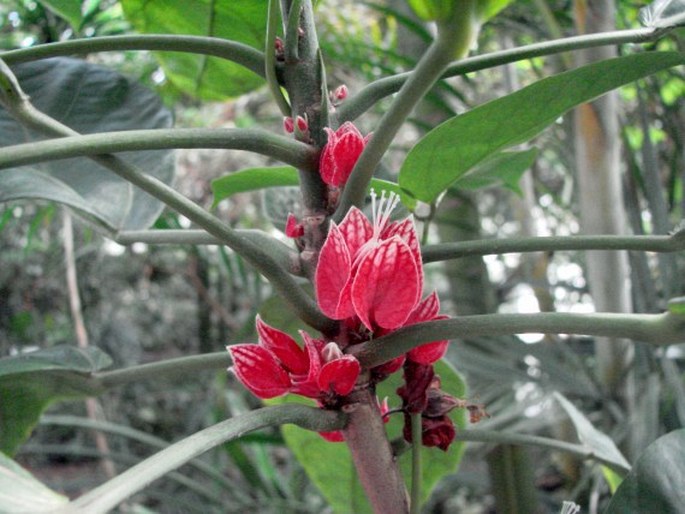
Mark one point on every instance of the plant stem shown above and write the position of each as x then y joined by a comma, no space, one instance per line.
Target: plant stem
75,145
446,251
372,455
270,60
657,329
107,496
239,53
179,368
416,442
414,87
17,102
379,89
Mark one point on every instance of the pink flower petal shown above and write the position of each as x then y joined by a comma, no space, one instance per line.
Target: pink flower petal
259,371
307,385
386,286
426,310
332,273
428,353
356,229
340,375
284,347
333,437
406,230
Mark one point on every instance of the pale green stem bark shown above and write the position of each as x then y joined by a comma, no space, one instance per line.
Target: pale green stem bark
379,89
657,329
66,146
239,53
446,251
107,496
17,102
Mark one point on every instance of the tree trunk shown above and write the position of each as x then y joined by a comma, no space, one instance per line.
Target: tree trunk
601,200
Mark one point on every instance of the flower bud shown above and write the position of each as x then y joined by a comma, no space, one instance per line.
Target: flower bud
288,125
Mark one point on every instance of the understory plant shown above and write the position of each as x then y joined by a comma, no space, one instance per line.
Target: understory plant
360,371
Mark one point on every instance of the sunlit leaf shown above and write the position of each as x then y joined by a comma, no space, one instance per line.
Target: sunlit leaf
453,148
656,482
70,10
209,78
30,382
89,99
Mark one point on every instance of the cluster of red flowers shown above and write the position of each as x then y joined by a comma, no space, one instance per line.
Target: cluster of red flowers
370,277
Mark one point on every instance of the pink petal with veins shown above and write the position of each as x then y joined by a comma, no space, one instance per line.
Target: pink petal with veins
356,230
339,375
259,371
386,286
332,273
284,347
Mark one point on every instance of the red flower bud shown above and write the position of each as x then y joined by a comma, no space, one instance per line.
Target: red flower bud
288,125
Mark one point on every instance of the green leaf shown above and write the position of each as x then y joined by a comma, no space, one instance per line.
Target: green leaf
330,467
70,10
613,479
254,179
453,148
600,443
20,492
30,382
203,77
89,99
489,8
504,168
656,482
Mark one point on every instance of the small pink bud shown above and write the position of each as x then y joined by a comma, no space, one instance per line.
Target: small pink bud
340,93
292,227
279,47
302,124
288,125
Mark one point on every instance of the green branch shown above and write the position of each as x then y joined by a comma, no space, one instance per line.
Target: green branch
446,251
174,369
657,329
454,37
496,437
239,53
107,496
19,106
279,147
379,89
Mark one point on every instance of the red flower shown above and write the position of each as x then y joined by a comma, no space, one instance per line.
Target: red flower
277,365
340,153
427,310
371,271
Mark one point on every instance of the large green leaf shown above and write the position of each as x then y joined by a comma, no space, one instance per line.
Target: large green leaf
21,493
457,145
330,467
656,482
30,382
89,99
504,168
204,77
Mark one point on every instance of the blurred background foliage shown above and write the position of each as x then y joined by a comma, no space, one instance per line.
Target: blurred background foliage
143,303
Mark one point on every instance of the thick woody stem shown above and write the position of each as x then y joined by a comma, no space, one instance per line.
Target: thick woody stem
376,465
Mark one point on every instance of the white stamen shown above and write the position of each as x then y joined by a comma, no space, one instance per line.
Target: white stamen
381,215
